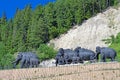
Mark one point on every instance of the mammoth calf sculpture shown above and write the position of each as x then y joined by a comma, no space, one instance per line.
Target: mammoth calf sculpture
105,53
34,62
27,59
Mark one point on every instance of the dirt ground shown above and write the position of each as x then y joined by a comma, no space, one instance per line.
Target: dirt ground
96,71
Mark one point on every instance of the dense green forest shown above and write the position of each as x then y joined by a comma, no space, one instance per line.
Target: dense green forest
30,30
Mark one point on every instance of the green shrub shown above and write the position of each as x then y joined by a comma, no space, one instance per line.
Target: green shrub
7,60
115,44
5,57
46,52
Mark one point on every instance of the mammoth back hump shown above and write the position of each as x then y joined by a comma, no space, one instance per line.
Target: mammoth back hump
30,54
68,52
86,53
108,51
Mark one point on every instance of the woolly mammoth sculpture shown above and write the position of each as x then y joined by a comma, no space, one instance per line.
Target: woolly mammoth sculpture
105,53
28,59
85,54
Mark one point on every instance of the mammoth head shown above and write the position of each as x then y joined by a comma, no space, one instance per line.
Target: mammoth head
77,49
61,51
98,50
19,56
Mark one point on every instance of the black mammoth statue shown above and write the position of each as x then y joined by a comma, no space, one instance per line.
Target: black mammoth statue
86,54
105,53
26,60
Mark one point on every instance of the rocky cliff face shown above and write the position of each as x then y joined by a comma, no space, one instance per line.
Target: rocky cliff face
91,33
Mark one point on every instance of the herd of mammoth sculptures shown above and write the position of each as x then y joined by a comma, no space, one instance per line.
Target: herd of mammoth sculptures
67,56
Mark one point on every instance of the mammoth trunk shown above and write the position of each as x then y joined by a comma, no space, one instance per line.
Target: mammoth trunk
16,62
97,56
56,62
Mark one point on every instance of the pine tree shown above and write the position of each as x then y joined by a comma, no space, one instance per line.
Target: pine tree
16,37
3,28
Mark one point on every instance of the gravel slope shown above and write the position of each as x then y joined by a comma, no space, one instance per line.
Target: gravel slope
91,33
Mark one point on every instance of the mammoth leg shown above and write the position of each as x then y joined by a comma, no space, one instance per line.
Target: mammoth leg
27,63
75,60
60,61
31,63
103,59
56,62
112,59
66,61
14,64
36,64
92,59
81,60
22,64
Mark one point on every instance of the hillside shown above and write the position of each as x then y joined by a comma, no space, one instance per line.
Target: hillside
91,33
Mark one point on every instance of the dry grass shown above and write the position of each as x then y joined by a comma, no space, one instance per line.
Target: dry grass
99,71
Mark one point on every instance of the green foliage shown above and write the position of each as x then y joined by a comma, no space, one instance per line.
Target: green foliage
116,45
46,52
2,50
30,30
109,40
5,57
116,2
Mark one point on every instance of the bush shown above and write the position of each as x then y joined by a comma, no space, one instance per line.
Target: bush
46,52
5,57
6,61
116,45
